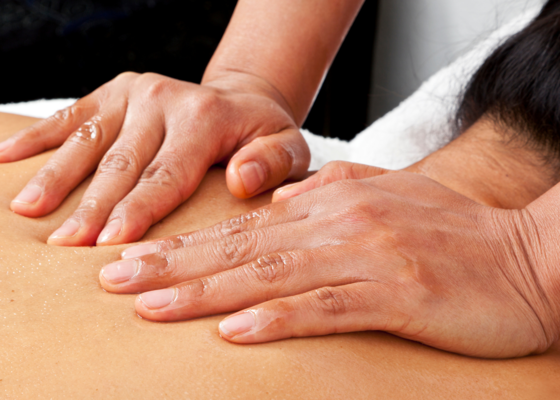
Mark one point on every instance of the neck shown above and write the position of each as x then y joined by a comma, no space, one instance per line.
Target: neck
482,165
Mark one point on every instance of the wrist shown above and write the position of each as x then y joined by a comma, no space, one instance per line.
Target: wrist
542,241
247,83
517,249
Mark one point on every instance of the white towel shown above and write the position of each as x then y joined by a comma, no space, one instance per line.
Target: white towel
417,127
37,108
422,123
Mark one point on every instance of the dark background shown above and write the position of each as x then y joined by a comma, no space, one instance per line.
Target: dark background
67,48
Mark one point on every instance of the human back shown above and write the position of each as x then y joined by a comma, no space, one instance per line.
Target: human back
64,337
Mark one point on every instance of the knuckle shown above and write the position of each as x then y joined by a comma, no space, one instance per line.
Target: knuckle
197,289
49,175
156,85
170,243
357,170
225,228
332,171
89,206
89,135
229,227
136,206
340,167
333,166
239,223
204,102
331,301
65,117
273,268
359,215
194,238
121,160
166,263
126,75
236,248
149,76
160,265
160,174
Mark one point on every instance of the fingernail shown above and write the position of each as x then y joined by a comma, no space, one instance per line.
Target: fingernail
252,176
158,298
238,324
111,231
6,144
30,194
140,250
120,272
69,228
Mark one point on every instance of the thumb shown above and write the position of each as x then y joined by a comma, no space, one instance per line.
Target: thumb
332,172
266,162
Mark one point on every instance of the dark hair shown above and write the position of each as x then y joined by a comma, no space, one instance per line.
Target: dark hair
518,87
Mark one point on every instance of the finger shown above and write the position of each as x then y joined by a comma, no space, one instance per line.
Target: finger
53,131
332,172
266,162
329,310
267,216
166,183
50,132
71,164
271,276
117,174
162,270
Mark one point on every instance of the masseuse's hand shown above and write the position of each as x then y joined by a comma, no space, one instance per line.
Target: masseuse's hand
152,139
398,252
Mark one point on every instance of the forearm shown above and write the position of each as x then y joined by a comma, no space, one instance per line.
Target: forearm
289,44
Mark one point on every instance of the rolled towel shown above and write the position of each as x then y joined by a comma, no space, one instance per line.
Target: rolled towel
37,108
422,123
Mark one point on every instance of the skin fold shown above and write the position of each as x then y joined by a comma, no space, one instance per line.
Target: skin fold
64,337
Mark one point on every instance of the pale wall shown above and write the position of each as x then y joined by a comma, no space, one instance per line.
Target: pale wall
417,37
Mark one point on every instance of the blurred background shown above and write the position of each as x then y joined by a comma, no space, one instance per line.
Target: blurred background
67,48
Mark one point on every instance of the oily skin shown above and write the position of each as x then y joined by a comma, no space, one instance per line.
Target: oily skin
151,138
64,337
391,251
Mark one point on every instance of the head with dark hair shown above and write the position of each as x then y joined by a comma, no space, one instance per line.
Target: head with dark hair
518,87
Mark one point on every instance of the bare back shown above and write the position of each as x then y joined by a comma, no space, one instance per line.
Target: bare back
62,336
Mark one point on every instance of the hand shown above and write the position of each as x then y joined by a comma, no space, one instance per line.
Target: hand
152,139
399,253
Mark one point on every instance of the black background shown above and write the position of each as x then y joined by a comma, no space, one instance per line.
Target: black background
67,48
